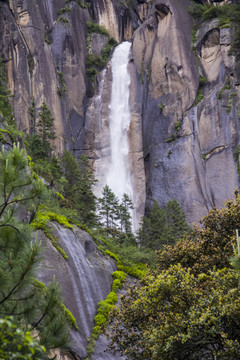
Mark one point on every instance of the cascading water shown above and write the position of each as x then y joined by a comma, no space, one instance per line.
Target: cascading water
118,176
114,117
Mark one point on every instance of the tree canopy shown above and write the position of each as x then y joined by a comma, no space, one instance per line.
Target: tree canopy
163,225
188,308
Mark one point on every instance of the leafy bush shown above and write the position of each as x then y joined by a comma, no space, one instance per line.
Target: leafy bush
177,315
210,246
95,60
120,275
64,10
18,344
96,28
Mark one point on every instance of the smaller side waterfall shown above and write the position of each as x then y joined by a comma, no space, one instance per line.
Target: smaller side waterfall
118,176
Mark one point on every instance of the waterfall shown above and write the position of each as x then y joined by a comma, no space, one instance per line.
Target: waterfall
118,176
114,117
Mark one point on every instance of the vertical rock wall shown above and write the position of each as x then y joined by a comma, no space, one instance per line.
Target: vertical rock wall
85,279
189,146
46,62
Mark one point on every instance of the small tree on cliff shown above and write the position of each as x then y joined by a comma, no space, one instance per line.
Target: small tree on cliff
46,130
5,106
39,144
31,305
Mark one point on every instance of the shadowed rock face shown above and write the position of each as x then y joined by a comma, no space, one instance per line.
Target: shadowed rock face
188,147
85,278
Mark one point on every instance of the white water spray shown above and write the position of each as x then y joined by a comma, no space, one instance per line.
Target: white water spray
118,176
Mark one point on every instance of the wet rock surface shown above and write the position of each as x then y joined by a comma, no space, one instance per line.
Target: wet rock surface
85,278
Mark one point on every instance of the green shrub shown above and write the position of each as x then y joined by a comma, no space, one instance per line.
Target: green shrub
116,285
106,51
202,81
161,107
71,319
6,110
196,10
96,28
199,97
120,275
41,221
63,20
64,10
111,298
95,61
178,125
211,12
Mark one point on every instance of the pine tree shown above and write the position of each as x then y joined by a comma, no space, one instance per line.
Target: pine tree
46,130
85,198
78,188
175,221
124,213
163,226
32,307
5,96
108,207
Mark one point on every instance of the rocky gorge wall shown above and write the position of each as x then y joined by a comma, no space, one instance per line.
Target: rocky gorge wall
189,148
85,279
189,142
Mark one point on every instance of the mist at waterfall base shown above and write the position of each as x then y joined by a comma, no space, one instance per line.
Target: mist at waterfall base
118,170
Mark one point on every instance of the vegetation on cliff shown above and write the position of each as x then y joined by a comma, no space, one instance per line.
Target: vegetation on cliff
228,15
189,307
31,308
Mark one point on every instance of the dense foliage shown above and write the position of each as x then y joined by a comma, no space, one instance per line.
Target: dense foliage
32,307
163,226
189,308
227,14
17,344
210,245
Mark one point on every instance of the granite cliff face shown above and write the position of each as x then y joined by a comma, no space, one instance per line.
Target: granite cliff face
46,62
85,279
188,147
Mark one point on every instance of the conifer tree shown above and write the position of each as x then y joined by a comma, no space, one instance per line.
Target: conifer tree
78,188
124,213
46,130
85,198
163,226
5,106
33,307
108,207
